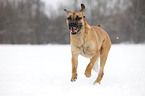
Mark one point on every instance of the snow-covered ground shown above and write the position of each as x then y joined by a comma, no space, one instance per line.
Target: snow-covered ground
45,70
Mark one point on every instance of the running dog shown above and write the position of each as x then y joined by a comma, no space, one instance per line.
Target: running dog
90,41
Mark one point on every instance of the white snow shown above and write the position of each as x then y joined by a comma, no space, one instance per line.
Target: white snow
45,70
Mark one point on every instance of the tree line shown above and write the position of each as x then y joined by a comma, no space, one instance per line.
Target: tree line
26,22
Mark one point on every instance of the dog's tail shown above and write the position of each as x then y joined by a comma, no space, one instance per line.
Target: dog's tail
96,67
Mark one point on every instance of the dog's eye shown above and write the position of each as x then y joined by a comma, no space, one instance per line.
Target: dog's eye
78,18
69,18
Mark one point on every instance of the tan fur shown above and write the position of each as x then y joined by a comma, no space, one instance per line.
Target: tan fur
90,42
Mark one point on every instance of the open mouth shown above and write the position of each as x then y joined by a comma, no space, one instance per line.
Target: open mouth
74,27
74,30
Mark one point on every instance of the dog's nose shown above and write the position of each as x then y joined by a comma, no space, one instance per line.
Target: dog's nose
73,24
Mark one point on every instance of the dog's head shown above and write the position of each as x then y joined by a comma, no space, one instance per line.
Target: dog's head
75,20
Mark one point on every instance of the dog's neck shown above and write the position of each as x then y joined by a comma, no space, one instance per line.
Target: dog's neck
81,36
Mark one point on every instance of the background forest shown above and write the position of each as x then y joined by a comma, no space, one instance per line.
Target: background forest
31,22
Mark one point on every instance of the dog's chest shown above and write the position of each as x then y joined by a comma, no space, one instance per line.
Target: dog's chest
86,51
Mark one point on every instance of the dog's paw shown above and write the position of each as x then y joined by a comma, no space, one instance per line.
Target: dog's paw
97,83
87,74
74,79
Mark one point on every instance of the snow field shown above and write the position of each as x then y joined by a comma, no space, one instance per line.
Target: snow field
45,70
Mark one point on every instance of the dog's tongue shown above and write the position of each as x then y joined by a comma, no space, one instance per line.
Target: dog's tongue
74,29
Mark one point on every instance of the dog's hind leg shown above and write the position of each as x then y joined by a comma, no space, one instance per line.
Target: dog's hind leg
101,70
103,57
96,67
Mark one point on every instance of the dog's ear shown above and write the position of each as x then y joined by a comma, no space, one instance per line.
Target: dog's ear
82,8
66,11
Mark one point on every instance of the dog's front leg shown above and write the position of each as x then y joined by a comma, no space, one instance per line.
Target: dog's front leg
74,67
91,64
